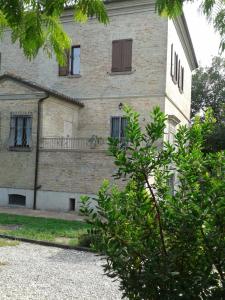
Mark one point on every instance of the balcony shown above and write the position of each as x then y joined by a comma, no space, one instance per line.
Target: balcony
71,144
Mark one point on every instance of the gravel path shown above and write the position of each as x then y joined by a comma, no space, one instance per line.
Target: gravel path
38,272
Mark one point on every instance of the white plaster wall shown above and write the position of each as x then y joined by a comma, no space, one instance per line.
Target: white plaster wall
170,109
5,192
178,101
46,200
58,201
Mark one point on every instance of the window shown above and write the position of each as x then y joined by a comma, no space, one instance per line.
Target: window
171,133
72,63
118,127
15,199
173,121
122,55
20,131
176,70
75,60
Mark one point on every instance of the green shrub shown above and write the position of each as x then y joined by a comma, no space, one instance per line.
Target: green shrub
159,244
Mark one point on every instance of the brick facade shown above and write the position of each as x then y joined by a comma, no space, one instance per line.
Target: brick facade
69,172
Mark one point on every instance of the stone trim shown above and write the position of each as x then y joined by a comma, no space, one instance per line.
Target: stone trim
116,7
32,96
173,119
121,73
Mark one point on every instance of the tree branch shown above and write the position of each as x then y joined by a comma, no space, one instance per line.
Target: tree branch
158,215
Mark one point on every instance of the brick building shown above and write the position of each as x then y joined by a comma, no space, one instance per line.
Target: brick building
54,121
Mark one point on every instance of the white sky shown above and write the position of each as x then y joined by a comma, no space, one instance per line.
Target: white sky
205,40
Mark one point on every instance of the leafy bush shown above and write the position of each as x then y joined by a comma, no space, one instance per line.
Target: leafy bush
162,244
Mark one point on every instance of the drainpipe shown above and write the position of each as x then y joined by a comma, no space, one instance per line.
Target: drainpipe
37,151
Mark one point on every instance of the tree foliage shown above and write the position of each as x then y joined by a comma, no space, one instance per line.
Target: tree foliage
208,90
162,244
36,24
214,10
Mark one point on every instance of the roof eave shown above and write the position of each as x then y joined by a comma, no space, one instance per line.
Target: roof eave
183,31
41,88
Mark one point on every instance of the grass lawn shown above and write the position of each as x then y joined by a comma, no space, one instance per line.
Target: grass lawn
43,229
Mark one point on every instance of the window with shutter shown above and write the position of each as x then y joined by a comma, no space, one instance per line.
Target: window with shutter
176,70
118,128
122,55
20,131
64,70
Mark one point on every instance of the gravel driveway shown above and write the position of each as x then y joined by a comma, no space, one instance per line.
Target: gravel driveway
38,272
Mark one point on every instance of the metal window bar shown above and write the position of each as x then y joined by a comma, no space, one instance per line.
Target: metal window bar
20,131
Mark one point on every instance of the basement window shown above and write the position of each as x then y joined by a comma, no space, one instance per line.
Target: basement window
15,199
72,204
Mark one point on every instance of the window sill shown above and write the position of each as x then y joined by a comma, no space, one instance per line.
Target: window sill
174,79
121,73
20,149
181,91
74,76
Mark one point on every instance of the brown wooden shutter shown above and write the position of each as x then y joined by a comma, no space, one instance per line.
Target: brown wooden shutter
179,75
117,56
127,55
182,79
175,67
64,70
181,83
172,62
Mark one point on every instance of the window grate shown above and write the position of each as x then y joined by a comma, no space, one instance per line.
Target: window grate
15,199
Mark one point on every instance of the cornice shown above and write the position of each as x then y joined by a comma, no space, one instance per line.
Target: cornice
185,38
117,7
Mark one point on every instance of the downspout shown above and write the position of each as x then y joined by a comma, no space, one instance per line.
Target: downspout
37,151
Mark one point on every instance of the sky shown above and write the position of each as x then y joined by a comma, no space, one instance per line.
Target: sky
205,40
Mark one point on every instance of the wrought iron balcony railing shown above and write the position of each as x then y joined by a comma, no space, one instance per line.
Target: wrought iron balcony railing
73,143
